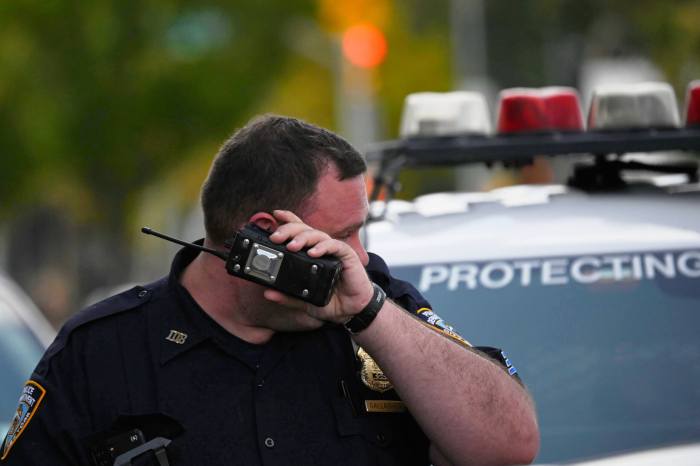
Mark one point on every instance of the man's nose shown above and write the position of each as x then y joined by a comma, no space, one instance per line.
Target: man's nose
359,249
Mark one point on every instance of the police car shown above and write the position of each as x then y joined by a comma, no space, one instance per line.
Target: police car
592,286
24,335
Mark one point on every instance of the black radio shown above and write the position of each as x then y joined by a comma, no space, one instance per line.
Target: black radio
131,437
252,256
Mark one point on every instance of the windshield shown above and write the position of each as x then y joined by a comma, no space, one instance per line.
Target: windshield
609,348
20,351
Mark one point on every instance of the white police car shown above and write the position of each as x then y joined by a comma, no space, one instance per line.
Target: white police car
593,287
24,335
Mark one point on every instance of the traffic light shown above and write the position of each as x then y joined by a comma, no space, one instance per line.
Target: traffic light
360,25
364,45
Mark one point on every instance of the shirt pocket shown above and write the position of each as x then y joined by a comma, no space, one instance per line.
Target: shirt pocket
380,438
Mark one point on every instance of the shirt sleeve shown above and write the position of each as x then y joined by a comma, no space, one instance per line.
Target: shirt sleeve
49,418
408,297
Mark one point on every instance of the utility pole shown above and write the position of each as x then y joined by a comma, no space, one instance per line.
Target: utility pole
470,64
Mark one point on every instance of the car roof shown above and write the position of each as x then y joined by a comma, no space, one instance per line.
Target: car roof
677,455
17,307
534,221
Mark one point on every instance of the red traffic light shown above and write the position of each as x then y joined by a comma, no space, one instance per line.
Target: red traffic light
364,45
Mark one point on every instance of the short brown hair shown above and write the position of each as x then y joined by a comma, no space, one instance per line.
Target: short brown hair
274,162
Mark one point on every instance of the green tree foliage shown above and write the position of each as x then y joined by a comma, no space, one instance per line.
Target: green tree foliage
539,42
99,98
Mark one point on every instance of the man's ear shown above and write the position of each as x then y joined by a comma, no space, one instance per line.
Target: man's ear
265,221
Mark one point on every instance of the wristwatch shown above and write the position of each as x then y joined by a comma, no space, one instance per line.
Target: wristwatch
362,319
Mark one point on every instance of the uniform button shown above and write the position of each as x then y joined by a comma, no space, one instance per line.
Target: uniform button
269,443
261,383
143,293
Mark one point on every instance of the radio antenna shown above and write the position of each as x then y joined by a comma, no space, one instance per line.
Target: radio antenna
150,231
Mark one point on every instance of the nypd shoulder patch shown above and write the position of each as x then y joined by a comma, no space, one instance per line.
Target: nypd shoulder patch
29,401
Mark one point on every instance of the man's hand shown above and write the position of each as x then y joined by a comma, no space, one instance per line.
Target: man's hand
353,290
469,408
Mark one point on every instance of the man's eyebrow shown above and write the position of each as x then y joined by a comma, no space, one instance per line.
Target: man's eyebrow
349,229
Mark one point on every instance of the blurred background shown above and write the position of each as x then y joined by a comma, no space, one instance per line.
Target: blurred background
111,111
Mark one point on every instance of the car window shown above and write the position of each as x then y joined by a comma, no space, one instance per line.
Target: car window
611,355
20,351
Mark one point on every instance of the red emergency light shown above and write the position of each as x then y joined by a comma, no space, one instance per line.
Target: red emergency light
692,102
546,109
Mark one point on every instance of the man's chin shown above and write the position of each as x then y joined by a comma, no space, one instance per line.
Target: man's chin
279,318
284,320
299,326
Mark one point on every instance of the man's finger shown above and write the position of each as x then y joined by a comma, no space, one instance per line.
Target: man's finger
288,231
286,216
333,247
306,238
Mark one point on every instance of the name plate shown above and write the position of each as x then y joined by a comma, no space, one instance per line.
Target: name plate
384,406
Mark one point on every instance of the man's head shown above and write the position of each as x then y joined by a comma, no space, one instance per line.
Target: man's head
274,162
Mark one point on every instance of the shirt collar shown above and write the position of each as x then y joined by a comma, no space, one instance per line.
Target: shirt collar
177,328
185,325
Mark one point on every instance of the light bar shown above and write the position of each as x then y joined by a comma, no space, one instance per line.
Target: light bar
692,104
445,113
633,106
547,109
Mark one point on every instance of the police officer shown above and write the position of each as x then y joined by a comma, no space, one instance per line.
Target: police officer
202,367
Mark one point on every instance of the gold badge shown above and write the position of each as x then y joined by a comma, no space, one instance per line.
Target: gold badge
371,374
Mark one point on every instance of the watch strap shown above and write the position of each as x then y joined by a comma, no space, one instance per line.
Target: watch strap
365,317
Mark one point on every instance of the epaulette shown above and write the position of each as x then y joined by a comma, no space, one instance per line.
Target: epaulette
409,298
116,304
398,290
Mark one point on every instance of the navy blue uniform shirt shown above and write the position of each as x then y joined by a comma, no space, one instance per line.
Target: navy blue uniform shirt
151,363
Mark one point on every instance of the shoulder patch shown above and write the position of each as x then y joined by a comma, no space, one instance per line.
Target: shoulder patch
32,395
500,357
435,322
